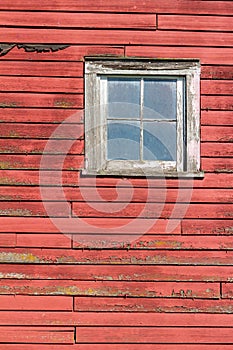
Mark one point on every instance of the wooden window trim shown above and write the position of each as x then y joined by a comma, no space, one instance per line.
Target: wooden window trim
188,161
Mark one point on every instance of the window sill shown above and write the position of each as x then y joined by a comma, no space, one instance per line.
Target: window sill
142,173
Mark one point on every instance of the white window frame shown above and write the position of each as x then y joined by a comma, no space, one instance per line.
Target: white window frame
187,74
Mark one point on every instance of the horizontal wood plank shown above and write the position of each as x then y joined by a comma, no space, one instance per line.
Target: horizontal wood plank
37,335
218,165
152,210
207,226
217,87
217,133
202,7
227,290
207,23
122,194
216,72
123,256
31,178
116,37
77,20
22,146
8,240
41,69
154,335
117,273
111,289
39,115
35,209
207,55
45,240
150,242
217,150
217,102
34,84
71,162
49,131
72,225
36,303
46,318
153,242
132,305
217,118
62,101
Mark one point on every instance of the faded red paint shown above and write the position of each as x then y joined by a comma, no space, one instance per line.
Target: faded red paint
159,291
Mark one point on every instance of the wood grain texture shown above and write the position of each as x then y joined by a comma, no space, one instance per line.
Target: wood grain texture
217,150
120,257
199,7
217,72
37,335
117,347
36,303
152,210
32,84
41,69
218,165
132,305
93,287
152,335
71,162
112,289
217,133
49,131
218,87
38,115
147,242
217,102
207,55
78,20
113,319
117,37
217,118
227,290
123,194
207,23
118,273
69,178
38,146
62,101
90,225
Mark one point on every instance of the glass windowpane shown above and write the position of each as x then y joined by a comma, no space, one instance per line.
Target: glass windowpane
123,140
123,97
159,141
160,99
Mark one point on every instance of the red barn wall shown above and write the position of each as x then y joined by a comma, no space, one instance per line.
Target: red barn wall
164,291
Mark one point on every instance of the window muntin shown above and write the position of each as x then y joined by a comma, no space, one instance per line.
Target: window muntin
144,111
152,105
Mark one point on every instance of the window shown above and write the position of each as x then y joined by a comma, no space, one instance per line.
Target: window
142,117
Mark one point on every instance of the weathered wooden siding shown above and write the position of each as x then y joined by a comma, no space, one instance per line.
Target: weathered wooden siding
164,291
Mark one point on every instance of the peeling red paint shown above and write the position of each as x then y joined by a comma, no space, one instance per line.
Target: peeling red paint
163,290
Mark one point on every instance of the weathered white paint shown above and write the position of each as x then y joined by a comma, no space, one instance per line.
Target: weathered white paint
187,73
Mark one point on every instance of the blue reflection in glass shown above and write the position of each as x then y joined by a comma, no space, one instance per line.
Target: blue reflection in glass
123,97
159,141
123,140
160,99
